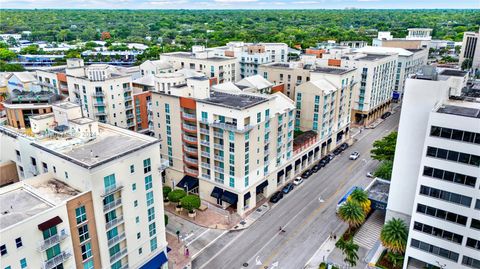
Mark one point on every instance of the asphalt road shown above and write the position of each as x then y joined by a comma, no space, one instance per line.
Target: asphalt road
307,214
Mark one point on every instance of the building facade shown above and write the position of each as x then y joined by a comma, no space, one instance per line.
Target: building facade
290,75
471,49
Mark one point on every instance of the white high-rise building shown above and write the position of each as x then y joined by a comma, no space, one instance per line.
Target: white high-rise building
435,180
95,199
471,49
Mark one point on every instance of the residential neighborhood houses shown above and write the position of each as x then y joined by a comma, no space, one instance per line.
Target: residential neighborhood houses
93,152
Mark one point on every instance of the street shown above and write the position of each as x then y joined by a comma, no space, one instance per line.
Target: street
307,214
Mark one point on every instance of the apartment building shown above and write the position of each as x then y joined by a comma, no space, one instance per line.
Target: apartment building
103,92
417,38
435,186
471,49
222,68
323,104
409,62
155,67
254,84
95,195
55,77
290,75
204,132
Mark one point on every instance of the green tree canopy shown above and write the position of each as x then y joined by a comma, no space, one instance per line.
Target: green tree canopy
394,235
352,213
384,149
349,250
190,202
176,195
7,55
384,170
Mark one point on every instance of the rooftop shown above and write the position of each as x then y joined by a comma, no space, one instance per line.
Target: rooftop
373,57
378,191
27,97
460,111
190,55
453,72
30,197
235,101
331,70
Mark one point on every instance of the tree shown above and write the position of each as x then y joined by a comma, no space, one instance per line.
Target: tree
352,213
384,170
349,250
7,55
166,190
384,149
395,258
190,202
176,195
72,54
105,36
467,64
63,34
32,49
361,197
394,235
6,67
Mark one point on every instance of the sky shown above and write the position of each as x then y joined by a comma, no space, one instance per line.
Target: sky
240,4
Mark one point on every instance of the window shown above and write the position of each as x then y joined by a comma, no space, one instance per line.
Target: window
259,117
146,166
152,229
135,203
83,233
80,214
45,167
114,250
465,158
151,214
153,244
18,242
446,196
3,250
473,243
148,182
167,108
53,251
471,262
139,235
449,176
454,134
139,251
109,181
88,264
456,238
23,263
137,219
445,253
443,215
49,232
66,174
86,251
134,186
132,169
112,233
149,198
246,181
232,182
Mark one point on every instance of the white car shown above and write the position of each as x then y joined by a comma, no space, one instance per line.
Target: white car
297,181
354,155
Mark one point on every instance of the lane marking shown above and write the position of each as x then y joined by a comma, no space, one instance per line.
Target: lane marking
220,251
196,238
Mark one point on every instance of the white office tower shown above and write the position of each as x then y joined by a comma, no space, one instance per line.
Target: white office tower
435,180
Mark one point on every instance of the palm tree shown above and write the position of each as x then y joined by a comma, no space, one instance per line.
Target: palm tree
352,213
394,235
349,250
395,258
360,196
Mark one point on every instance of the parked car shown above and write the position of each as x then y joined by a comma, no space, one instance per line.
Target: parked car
354,155
306,174
331,156
276,197
323,162
344,146
386,115
298,180
287,188
315,168
337,151
370,175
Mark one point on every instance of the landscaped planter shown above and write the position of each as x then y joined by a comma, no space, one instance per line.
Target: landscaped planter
166,202
178,208
192,214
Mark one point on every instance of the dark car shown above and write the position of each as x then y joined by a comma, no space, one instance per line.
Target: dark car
276,197
337,151
386,115
344,146
330,156
306,174
287,188
315,168
324,161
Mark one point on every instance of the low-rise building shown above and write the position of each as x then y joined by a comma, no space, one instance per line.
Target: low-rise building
417,38
96,197
290,75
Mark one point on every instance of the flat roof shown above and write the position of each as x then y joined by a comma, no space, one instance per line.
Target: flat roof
373,57
453,72
460,111
190,55
31,198
82,121
236,101
331,70
378,191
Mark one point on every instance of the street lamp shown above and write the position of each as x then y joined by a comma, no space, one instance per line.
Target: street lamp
441,265
185,186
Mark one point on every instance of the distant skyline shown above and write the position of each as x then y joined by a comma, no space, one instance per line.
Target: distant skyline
239,4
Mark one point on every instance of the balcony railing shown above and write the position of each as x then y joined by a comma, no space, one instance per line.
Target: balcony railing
219,169
205,143
190,150
100,113
219,158
205,165
114,223
204,131
218,134
55,261
189,116
98,94
112,189
127,89
130,116
218,146
127,97
112,241
189,127
130,124
191,160
52,240
205,154
117,256
189,138
231,127
99,104
164,164
191,171
112,205
128,106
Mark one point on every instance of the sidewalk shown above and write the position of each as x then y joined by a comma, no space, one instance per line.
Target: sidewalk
252,216
176,257
324,251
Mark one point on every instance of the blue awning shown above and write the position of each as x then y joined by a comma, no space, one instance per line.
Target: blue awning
217,192
156,262
188,182
288,168
261,186
230,197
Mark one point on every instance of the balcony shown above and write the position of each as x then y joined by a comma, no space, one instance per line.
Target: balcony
205,143
205,154
100,113
191,161
98,94
130,124
205,165
188,116
55,261
164,164
99,104
218,134
112,189
207,176
112,205
218,158
127,89
218,146
204,131
112,241
127,97
130,116
219,169
231,127
117,256
125,266
189,139
53,240
191,172
128,106
113,223
191,151
189,128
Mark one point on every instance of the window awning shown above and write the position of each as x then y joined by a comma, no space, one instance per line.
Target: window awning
188,182
261,186
280,173
317,149
246,196
156,262
217,192
50,223
304,157
288,168
230,197
297,162
310,153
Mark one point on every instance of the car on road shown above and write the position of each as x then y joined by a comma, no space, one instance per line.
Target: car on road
289,187
337,151
315,168
276,197
344,146
306,174
330,156
354,155
297,181
323,162
386,115
370,175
